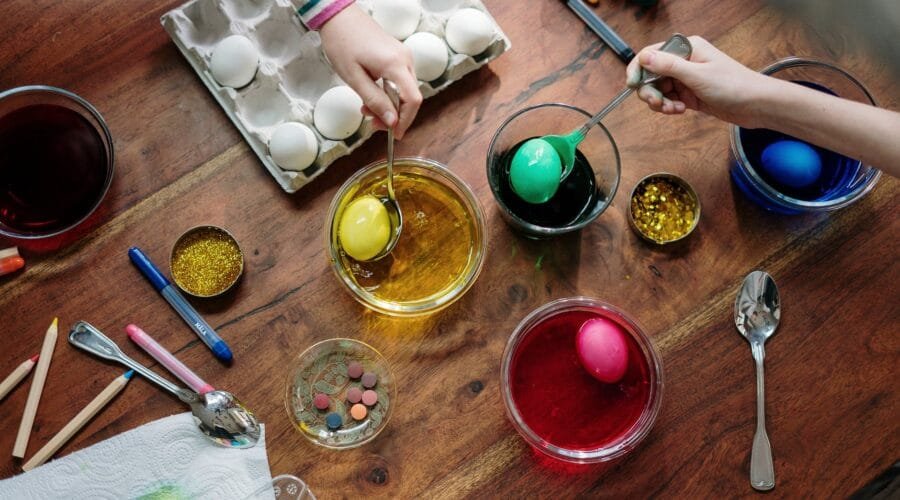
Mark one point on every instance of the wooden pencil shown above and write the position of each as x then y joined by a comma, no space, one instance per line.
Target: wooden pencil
74,425
9,252
34,393
17,375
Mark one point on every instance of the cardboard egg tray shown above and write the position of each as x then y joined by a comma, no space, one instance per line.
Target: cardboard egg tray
293,71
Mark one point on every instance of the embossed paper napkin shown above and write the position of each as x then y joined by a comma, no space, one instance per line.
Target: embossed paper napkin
168,458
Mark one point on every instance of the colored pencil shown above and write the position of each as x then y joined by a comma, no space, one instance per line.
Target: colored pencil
17,376
9,252
34,393
74,425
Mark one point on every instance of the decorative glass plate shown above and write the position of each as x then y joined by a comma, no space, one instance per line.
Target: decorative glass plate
322,368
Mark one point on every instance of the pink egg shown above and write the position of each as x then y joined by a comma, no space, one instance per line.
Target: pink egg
602,350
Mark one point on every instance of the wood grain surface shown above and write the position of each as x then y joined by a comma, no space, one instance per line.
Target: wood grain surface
832,399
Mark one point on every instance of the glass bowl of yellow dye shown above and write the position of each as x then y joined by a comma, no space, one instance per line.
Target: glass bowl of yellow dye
441,248
206,261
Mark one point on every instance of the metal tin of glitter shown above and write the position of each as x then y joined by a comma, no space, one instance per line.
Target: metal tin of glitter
675,180
200,230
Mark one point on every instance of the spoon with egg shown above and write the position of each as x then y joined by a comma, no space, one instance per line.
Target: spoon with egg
370,227
541,164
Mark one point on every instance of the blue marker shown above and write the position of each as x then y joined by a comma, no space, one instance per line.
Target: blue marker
181,306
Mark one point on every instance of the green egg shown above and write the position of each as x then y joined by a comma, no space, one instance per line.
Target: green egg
535,171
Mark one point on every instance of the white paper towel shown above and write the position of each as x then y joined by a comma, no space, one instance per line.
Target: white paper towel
166,459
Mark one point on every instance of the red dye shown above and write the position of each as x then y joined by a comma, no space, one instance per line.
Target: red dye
560,401
53,168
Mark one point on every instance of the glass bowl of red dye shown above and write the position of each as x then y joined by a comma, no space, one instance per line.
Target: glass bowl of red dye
842,180
557,406
56,161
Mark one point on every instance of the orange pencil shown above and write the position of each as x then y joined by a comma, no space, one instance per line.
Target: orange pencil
11,265
17,376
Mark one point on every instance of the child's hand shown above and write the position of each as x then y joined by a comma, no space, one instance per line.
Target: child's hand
710,82
361,53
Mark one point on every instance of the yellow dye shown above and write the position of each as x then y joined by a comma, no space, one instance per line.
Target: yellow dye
436,251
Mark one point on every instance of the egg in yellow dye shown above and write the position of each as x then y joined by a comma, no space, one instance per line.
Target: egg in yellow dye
365,228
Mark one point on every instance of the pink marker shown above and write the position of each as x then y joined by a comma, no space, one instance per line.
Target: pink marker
165,358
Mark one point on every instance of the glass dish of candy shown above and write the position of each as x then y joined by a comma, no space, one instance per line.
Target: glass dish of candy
786,175
340,393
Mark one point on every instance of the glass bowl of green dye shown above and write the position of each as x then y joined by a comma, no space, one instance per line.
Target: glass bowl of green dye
581,198
322,368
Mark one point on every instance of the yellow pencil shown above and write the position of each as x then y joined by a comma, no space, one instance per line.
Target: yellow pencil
78,422
17,375
34,393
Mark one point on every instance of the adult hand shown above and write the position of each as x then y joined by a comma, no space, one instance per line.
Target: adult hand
361,53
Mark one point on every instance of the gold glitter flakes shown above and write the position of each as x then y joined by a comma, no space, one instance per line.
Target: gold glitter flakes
664,208
206,261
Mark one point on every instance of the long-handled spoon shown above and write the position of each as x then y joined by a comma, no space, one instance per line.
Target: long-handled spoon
390,202
757,311
535,171
218,414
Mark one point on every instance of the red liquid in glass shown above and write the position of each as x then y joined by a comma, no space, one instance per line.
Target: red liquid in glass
53,168
560,401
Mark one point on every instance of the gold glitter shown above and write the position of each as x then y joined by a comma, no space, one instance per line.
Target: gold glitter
662,210
206,261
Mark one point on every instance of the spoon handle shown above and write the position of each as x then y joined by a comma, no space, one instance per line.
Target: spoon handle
393,93
605,111
85,336
762,469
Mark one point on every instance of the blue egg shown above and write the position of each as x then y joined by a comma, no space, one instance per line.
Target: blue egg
792,163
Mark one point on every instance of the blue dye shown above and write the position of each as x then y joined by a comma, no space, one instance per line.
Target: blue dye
838,178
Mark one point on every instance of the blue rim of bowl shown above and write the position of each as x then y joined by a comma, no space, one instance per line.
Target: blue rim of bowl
645,421
111,161
868,182
542,230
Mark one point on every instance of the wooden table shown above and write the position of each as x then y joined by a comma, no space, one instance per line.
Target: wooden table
833,404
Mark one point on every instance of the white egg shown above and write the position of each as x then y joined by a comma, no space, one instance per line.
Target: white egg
399,18
234,61
430,56
338,113
293,146
469,31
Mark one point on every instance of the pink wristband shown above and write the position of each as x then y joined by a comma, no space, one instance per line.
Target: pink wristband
316,13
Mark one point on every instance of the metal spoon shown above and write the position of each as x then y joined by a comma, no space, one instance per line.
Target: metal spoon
565,145
390,202
218,414
757,311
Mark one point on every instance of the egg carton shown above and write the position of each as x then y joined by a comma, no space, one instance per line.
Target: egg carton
293,71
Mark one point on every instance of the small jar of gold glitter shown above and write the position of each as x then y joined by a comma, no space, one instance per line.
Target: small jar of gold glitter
206,261
663,208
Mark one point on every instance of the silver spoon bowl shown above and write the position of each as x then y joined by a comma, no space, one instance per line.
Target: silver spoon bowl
218,414
757,312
